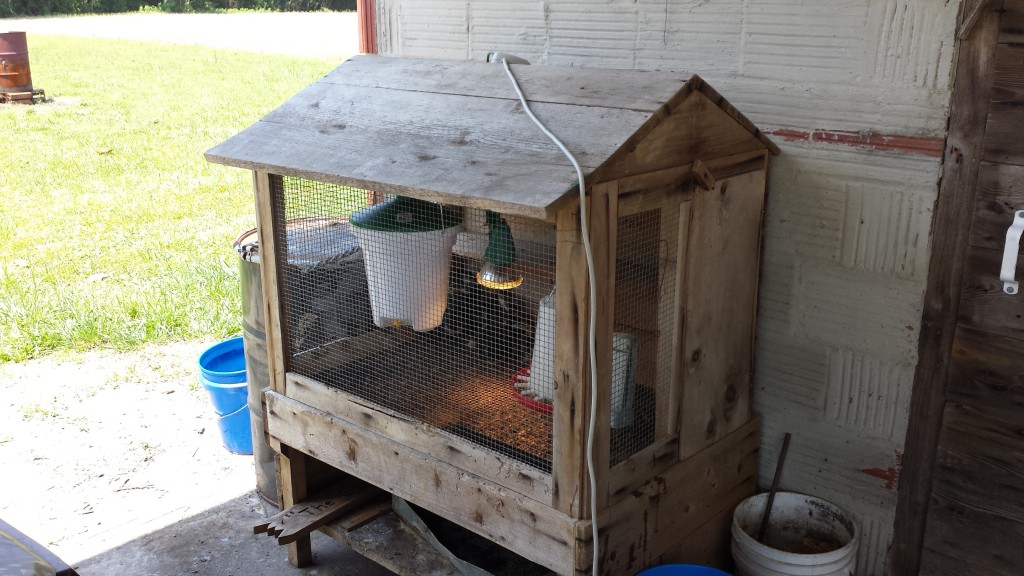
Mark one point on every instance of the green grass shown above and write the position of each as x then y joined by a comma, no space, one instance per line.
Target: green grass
114,231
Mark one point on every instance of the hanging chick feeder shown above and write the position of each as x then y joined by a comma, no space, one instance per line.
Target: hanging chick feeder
407,246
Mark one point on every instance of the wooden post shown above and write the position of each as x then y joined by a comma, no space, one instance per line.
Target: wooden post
266,215
294,490
569,488
603,240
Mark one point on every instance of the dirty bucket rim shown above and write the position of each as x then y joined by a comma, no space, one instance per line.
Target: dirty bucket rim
792,557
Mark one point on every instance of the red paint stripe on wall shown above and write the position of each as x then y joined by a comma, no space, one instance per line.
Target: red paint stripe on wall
366,14
931,147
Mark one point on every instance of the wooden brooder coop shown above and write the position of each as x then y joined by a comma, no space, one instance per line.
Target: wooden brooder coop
381,192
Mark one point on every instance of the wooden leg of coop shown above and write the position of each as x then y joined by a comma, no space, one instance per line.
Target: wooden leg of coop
294,488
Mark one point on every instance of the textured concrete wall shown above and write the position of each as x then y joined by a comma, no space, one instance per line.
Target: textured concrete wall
856,93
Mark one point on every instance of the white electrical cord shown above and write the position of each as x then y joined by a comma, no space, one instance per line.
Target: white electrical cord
591,337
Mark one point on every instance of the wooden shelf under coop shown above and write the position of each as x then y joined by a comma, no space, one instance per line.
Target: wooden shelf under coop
674,197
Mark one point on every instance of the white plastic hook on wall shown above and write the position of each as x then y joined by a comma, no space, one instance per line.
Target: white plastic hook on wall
1009,269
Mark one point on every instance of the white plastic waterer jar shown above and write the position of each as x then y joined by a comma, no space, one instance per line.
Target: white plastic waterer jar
407,247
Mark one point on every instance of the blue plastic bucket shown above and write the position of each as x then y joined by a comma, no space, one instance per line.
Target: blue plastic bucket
682,570
222,374
235,431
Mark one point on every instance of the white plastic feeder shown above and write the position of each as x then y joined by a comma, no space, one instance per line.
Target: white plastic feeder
407,248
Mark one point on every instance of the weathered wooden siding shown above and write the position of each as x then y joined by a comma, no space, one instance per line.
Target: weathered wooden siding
856,93
975,519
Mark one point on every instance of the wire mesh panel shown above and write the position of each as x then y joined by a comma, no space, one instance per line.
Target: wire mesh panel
434,312
642,341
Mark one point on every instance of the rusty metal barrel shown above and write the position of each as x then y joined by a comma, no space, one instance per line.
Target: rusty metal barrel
257,363
15,75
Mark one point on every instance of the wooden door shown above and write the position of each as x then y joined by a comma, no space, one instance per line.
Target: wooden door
974,511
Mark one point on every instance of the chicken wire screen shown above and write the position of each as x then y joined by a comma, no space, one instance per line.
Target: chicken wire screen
642,340
388,299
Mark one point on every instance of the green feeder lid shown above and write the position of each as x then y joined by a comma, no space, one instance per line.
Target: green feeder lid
404,214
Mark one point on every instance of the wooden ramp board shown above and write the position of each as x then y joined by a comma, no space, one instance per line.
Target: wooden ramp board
391,542
300,520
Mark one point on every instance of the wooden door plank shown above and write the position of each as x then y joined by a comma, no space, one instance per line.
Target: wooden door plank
952,547
954,544
984,306
950,234
1002,137
721,292
987,373
1011,26
1000,194
980,466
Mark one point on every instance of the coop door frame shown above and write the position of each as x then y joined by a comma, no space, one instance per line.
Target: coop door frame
607,203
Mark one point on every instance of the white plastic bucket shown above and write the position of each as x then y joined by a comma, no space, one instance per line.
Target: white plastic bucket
407,273
799,524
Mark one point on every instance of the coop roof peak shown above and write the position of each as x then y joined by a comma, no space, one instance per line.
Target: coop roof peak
455,131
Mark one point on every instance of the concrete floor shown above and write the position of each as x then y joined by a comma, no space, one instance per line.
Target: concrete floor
125,472
190,508
219,542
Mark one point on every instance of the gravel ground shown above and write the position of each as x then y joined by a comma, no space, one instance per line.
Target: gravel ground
114,460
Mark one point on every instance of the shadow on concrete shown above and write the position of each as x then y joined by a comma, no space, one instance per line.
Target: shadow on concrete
219,542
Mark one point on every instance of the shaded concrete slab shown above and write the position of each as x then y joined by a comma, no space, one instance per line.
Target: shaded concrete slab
219,542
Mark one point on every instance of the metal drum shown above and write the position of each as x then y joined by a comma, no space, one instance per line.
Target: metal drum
254,338
325,270
15,75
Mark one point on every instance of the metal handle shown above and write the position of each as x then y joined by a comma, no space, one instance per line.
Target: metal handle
1009,269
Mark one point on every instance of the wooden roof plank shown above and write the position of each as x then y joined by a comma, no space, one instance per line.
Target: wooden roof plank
527,185
455,132
483,128
631,89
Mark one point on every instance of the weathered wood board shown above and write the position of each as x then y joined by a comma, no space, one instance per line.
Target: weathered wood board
725,235
534,530
976,521
1002,135
455,132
